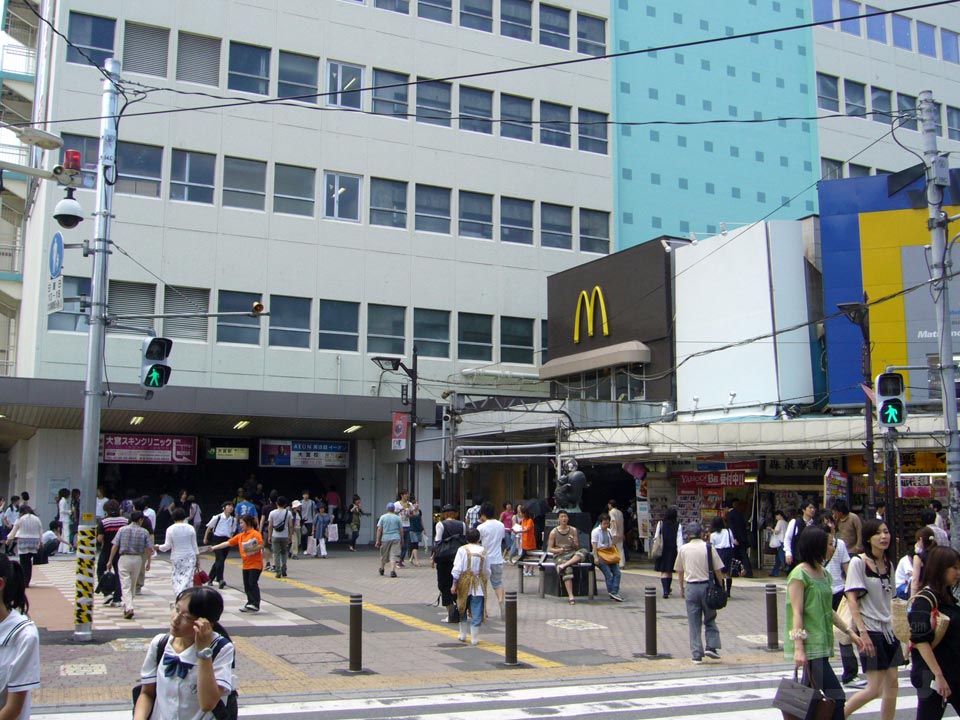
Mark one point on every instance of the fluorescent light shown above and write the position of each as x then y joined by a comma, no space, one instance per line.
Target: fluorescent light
136,419
2,416
241,425
351,429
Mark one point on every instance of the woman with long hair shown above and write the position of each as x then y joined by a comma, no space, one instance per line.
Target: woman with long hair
27,531
869,591
934,671
181,542
188,671
721,537
20,651
669,530
926,541
810,617
356,514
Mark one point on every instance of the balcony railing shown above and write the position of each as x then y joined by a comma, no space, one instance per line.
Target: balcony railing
16,154
11,258
8,368
18,60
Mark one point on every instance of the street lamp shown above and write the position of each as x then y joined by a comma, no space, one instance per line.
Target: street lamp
859,314
386,362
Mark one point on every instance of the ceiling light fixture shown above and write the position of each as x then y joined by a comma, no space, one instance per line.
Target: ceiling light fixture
136,419
352,429
241,425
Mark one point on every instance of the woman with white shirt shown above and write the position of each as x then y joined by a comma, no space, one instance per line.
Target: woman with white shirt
27,531
470,574
181,542
721,537
19,645
776,542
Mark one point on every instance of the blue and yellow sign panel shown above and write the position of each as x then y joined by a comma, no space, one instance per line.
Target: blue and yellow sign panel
875,241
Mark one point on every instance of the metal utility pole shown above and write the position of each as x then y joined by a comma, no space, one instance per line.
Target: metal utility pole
412,459
93,387
938,177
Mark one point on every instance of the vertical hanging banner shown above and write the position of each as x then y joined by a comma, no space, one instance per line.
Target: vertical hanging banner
398,437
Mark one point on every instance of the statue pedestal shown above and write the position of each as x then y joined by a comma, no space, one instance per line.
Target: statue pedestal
580,520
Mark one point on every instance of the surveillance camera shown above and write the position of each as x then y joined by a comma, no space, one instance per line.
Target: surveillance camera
68,212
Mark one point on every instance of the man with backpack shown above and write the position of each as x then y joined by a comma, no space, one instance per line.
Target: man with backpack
449,535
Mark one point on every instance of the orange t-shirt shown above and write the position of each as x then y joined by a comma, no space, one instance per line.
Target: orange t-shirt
529,540
251,561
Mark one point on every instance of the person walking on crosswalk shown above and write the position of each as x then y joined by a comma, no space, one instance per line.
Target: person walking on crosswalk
693,572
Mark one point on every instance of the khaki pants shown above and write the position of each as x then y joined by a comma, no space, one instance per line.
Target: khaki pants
129,566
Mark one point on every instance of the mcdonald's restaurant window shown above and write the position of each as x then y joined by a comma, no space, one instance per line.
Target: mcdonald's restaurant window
629,383
623,383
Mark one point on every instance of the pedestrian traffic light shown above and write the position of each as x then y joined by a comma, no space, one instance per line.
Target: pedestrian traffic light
154,369
891,403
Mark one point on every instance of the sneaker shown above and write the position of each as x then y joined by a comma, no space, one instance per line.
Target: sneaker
855,684
278,575
244,609
400,564
393,573
222,585
268,567
128,615
712,654
697,661
380,571
617,598
284,573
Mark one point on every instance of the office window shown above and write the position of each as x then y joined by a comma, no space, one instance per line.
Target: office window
554,27
249,69
433,209
594,231
554,124
591,35
876,25
937,118
855,170
477,14
902,32
386,329
93,35
339,325
476,215
146,49
342,196
198,59
244,183
181,300
953,123
71,318
828,92
516,340
855,98
294,190
822,11
289,321
343,83
298,75
475,336
433,103
400,6
544,342
390,100
476,110
89,148
431,333
949,45
516,19
240,329
139,169
388,203
850,9
516,115
907,109
192,176
556,226
880,104
516,220
132,298
926,39
439,10
592,131
831,169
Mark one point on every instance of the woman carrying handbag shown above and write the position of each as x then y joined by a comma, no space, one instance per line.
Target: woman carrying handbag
810,618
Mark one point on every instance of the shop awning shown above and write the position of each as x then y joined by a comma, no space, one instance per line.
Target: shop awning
625,353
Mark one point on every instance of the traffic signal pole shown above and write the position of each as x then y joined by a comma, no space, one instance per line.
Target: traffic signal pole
937,179
93,386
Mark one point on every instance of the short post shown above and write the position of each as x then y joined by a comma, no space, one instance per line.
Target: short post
510,629
773,642
650,613
356,633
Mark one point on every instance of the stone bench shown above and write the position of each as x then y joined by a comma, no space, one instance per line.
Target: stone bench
543,562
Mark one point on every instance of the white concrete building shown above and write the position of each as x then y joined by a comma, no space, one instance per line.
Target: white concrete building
372,212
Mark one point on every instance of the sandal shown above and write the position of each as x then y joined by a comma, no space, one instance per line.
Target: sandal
573,602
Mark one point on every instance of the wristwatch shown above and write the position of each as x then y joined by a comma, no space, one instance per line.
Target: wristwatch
205,654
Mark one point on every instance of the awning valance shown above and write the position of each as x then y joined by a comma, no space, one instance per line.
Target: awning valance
625,353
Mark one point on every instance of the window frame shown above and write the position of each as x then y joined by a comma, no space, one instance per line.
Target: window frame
337,96
397,6
436,10
523,32
186,182
434,113
239,301
514,228
514,352
828,101
244,75
341,327
376,211
475,341
243,191
397,108
292,89
850,107
877,26
473,17
95,52
953,122
590,242
555,231
555,132
385,343
592,131
520,128
881,114
950,46
474,225
898,25
587,44
336,191
302,330
554,35
470,111
851,27
429,345
156,37
909,122
294,201
926,33
136,180
429,218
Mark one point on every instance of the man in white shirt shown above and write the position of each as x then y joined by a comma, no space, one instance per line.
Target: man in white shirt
402,507
617,529
280,526
491,537
928,516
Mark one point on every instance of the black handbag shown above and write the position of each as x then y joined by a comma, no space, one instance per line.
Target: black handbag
715,597
801,700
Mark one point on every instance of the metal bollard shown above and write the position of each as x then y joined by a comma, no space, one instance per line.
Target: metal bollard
650,613
356,633
510,629
773,642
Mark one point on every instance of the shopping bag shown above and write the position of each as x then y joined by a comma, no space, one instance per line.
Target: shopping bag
799,700
311,545
333,533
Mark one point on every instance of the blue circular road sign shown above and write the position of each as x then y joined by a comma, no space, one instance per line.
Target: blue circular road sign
56,255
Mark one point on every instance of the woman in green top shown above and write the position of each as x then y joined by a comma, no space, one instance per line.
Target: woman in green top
810,618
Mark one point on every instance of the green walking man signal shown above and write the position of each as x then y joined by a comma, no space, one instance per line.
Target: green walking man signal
154,369
891,401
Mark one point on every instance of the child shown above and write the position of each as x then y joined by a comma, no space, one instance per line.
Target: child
20,646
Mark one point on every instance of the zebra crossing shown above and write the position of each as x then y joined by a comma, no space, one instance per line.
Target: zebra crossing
744,696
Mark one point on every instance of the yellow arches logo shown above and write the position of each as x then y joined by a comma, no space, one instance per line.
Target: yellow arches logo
590,301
